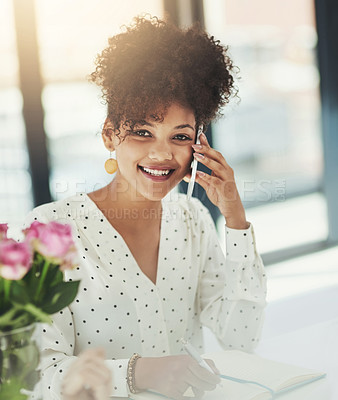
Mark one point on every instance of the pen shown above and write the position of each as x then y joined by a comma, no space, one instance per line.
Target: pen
195,355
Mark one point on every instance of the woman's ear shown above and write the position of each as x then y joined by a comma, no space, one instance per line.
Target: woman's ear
108,135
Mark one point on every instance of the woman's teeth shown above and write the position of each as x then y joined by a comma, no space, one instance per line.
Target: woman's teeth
156,172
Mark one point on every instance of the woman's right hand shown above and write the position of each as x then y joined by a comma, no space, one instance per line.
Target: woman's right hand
173,375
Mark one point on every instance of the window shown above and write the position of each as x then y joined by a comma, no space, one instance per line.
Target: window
70,35
15,188
272,138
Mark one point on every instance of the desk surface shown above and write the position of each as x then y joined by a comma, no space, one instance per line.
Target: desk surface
308,337
316,347
302,331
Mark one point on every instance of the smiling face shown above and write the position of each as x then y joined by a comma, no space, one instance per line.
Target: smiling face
155,156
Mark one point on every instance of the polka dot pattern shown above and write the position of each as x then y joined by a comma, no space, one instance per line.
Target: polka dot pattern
120,309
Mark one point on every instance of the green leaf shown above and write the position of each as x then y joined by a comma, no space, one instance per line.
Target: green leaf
19,293
31,281
60,296
54,276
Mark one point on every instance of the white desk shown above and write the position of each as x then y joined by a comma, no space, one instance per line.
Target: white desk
302,330
315,347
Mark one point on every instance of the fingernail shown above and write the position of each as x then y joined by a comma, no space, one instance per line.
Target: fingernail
198,155
204,137
200,173
197,146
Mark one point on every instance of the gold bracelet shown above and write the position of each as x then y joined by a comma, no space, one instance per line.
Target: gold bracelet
131,373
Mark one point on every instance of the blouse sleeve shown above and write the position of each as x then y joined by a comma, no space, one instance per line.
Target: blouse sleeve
57,355
232,289
57,347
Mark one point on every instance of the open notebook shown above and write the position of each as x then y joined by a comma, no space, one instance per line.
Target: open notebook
268,378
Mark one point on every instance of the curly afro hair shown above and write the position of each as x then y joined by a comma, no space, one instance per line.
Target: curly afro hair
153,64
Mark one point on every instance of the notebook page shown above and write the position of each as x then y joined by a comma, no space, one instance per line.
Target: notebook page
229,390
237,391
226,390
251,367
267,372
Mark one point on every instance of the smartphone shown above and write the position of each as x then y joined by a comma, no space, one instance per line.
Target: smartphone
194,166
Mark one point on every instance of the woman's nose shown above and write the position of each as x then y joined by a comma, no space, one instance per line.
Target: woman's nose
160,153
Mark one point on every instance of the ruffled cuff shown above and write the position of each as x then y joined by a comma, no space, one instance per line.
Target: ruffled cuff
240,244
118,369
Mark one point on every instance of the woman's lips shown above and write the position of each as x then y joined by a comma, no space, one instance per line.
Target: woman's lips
156,178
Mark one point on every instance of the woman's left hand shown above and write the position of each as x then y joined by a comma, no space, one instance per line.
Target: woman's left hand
220,186
88,378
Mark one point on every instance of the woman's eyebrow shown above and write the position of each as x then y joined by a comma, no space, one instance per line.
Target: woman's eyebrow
184,126
142,122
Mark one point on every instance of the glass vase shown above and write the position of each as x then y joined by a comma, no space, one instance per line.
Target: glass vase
19,360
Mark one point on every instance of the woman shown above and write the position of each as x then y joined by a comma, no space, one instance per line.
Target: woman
151,270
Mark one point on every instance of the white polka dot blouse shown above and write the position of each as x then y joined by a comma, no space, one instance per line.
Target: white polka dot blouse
120,309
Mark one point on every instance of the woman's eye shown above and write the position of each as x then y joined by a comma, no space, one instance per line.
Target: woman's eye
141,133
182,137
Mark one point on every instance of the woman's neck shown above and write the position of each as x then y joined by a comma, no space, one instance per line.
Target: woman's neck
125,205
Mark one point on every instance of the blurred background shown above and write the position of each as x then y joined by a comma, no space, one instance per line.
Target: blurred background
281,138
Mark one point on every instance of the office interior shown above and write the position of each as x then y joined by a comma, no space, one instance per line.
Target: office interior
280,136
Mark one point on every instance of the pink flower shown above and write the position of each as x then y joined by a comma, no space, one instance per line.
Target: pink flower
53,240
70,260
15,259
3,231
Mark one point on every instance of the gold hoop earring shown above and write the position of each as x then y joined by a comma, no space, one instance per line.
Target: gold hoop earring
110,165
